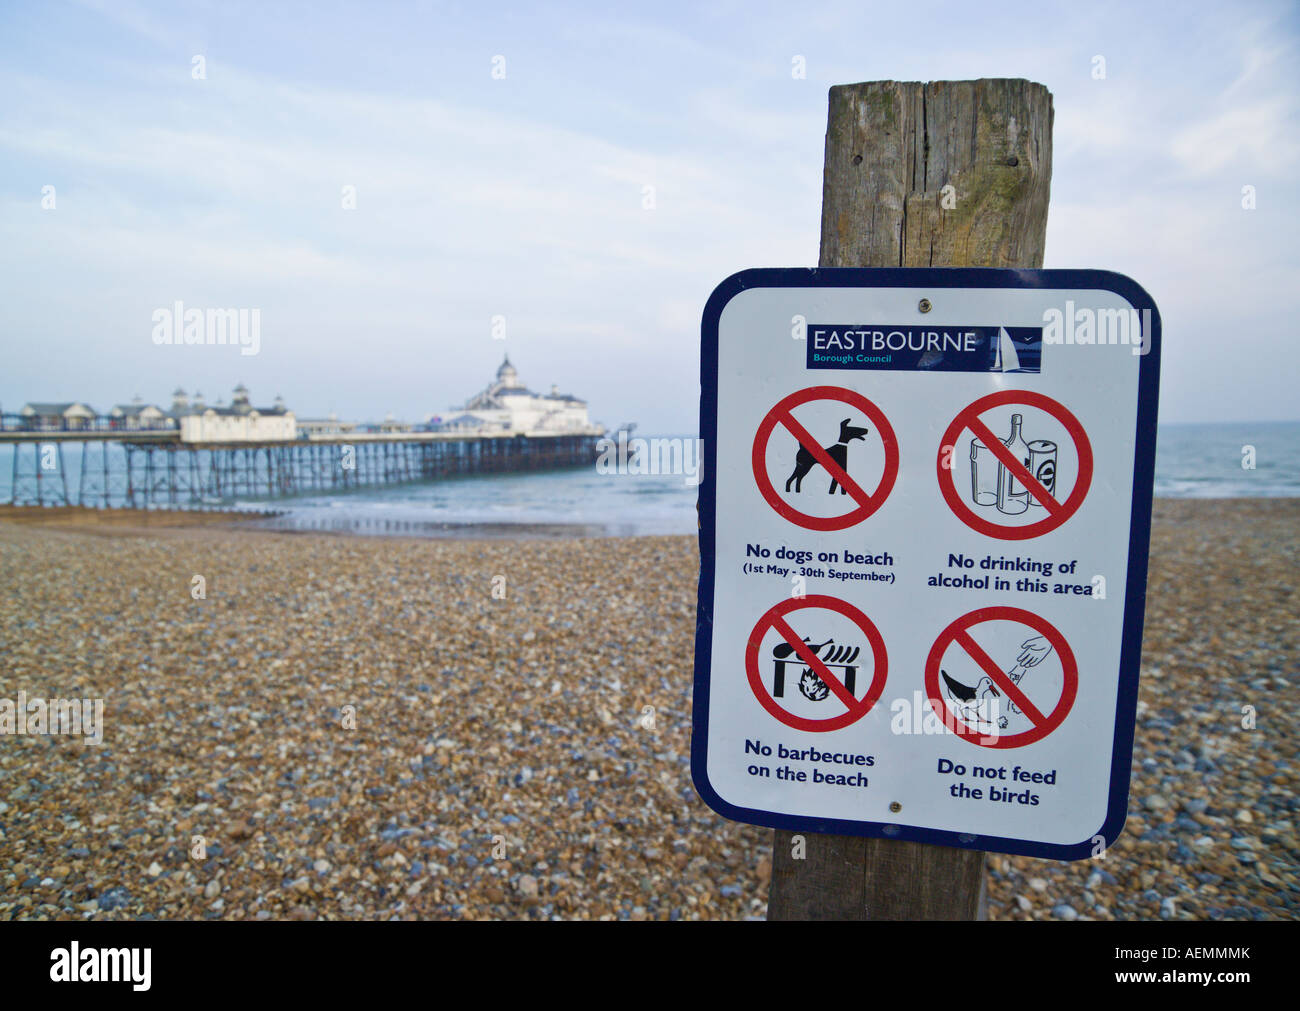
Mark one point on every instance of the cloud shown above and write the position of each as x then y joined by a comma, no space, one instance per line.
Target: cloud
524,197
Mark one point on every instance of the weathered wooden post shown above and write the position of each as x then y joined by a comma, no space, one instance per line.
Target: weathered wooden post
945,174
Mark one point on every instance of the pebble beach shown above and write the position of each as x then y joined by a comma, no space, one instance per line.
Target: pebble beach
329,727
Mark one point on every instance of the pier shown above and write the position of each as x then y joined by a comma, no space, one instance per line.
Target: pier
152,467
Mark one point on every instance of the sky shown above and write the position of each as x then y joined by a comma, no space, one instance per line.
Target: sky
578,178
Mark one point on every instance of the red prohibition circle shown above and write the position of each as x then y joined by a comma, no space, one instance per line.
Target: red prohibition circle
958,630
852,713
867,503
1059,512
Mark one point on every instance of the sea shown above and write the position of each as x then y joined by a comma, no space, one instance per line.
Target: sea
1238,460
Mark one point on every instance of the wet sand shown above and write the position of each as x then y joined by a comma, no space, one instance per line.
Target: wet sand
135,521
349,727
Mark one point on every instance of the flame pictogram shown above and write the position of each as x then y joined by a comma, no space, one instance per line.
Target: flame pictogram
812,686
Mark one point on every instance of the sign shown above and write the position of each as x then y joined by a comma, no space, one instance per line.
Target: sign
1000,693
924,523
810,453
1043,486
837,671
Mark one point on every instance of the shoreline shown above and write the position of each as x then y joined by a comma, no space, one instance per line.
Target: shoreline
139,522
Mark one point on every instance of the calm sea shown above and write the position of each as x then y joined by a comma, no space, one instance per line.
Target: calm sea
1192,461
1212,461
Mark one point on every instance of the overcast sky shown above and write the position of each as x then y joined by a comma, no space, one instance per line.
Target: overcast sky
523,196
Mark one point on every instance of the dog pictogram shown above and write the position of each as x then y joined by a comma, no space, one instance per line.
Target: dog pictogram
770,459
804,460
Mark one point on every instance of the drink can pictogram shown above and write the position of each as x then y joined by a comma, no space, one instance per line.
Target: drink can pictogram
1042,464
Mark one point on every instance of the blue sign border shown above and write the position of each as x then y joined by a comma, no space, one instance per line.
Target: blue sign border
1139,537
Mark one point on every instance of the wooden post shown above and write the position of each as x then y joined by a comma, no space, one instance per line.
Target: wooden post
945,174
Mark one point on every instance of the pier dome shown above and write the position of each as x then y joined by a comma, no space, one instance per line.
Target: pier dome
507,377
507,405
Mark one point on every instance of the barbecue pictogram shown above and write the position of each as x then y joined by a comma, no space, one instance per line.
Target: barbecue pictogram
816,682
836,658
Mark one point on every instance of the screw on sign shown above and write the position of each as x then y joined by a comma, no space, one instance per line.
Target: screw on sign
833,458
1022,481
835,672
981,710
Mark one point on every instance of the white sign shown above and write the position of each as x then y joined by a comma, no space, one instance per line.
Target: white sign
924,529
